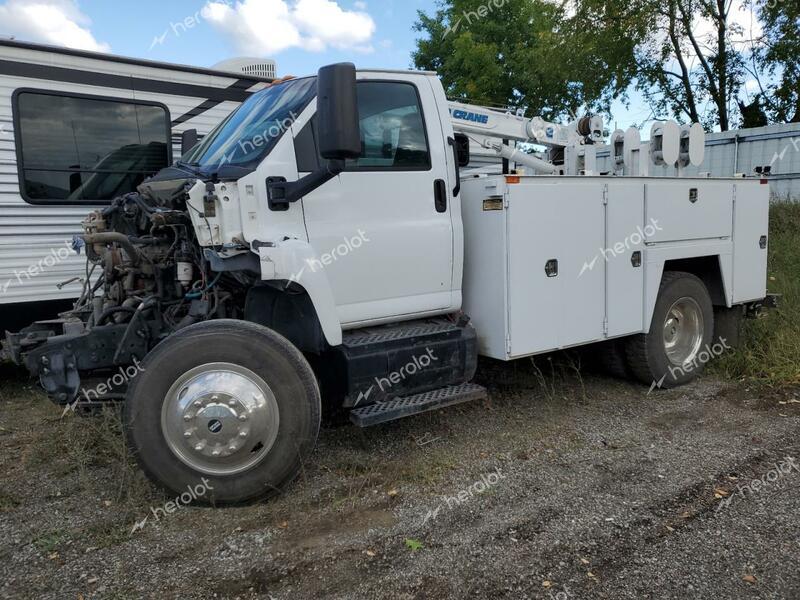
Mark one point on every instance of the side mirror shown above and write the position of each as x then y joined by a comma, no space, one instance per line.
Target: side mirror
188,140
462,149
337,112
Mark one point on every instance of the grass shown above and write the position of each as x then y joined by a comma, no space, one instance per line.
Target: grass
78,444
770,346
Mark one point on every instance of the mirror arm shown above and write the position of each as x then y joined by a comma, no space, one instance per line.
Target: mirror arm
281,193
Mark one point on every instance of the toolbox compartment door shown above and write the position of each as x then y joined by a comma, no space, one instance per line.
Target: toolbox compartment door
751,233
560,221
626,230
689,209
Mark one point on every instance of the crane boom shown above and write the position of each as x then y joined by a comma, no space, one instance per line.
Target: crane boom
490,128
483,123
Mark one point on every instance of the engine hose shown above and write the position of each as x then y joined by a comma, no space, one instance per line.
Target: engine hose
199,293
112,311
112,237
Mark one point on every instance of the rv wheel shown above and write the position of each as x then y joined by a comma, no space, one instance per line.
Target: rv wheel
224,411
678,345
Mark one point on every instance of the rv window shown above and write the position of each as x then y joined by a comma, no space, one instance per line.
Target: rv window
79,149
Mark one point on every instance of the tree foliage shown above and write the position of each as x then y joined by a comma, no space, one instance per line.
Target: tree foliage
778,54
691,66
525,53
690,59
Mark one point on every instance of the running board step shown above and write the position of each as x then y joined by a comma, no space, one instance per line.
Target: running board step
397,408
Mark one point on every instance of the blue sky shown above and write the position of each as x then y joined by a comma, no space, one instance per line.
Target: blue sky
123,26
301,35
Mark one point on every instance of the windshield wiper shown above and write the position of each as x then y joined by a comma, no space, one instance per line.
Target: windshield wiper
230,172
188,167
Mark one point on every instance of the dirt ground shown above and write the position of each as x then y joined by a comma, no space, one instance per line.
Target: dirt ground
559,486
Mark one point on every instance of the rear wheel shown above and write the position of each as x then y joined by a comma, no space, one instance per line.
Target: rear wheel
672,353
227,409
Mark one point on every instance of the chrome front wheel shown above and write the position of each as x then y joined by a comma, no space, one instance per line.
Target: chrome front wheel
220,419
231,405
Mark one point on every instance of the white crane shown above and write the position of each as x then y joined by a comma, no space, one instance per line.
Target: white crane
671,145
489,127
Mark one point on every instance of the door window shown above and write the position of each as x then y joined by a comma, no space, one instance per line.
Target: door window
392,127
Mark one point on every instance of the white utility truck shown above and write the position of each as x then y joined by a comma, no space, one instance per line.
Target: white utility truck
321,247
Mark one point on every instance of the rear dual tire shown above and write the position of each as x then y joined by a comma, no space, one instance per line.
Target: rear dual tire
680,334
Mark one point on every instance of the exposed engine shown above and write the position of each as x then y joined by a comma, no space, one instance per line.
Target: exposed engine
148,262
146,277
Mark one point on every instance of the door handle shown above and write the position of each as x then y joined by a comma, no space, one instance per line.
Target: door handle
457,188
440,195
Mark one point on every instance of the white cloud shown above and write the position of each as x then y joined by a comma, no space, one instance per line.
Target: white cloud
265,27
58,22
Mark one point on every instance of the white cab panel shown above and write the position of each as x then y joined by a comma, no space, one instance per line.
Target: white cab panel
404,264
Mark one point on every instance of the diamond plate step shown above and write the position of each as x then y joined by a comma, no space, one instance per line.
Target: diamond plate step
389,333
398,408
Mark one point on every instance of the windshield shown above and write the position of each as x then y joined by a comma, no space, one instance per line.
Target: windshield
251,131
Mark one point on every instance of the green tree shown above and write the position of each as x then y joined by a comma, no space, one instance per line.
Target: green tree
532,54
692,65
556,58
778,56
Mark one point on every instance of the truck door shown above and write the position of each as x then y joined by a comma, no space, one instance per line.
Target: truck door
383,228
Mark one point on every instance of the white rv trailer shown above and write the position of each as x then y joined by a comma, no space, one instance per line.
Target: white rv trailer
78,129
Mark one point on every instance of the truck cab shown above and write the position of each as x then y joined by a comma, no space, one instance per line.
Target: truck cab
382,241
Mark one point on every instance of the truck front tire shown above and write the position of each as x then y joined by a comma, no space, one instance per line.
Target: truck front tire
226,411
674,351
